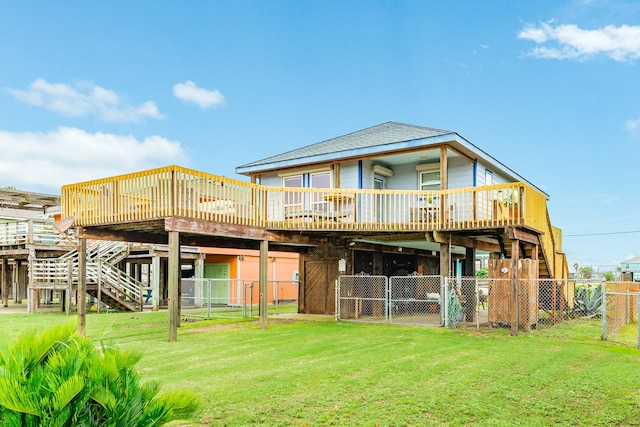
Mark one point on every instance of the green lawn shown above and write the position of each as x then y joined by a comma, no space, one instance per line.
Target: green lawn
327,373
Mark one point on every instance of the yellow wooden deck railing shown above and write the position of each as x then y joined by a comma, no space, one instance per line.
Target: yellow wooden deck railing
177,191
160,193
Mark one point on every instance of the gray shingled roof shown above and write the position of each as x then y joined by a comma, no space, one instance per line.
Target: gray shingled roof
26,198
386,133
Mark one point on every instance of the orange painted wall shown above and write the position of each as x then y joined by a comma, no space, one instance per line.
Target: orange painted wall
245,267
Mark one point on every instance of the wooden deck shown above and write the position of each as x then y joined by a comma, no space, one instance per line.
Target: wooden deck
180,192
147,204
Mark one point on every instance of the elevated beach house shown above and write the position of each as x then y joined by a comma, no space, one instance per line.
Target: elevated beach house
396,199
390,200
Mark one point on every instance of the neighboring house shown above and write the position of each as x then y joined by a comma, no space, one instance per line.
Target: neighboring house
34,256
241,267
26,233
631,269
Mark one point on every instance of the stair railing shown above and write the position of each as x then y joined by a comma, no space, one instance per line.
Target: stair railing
127,288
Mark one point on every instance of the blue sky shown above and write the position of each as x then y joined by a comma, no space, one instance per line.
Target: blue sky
550,88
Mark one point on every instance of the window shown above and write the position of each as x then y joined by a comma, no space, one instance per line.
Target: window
293,181
320,180
488,177
293,198
430,180
379,183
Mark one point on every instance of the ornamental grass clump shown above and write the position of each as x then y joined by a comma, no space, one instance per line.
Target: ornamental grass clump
59,378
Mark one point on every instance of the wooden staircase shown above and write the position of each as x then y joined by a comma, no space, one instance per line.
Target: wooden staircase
526,251
105,281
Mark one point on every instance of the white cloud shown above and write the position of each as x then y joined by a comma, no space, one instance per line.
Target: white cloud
45,161
572,42
632,125
84,99
190,92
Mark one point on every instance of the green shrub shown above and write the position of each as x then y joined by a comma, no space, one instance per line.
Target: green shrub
588,300
58,378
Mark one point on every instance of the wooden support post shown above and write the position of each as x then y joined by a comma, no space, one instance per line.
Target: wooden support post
29,232
33,295
445,260
470,262
174,277
156,268
5,282
99,302
82,283
17,289
444,167
264,271
515,300
69,291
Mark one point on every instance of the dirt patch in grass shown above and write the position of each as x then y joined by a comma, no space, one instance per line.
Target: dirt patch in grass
228,326
141,325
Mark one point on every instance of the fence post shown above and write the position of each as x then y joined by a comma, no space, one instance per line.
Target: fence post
604,311
337,299
515,287
275,294
444,289
243,302
638,318
476,281
251,298
209,299
387,305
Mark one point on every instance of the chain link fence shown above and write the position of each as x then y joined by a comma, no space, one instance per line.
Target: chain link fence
459,302
233,298
416,300
620,311
488,304
363,298
468,302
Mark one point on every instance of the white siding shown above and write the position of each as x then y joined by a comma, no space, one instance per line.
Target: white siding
271,180
404,177
349,175
460,173
481,175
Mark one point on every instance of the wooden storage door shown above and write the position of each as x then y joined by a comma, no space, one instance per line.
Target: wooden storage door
317,285
499,300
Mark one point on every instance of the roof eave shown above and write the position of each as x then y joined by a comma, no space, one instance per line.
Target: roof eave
385,149
348,154
494,162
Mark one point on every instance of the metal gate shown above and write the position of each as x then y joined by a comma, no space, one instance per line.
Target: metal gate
416,300
411,300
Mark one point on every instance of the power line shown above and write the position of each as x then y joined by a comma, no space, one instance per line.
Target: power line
601,234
